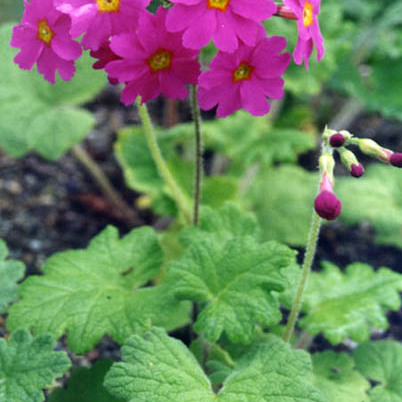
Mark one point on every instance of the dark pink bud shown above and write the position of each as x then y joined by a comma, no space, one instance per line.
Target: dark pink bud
357,170
396,160
327,205
337,140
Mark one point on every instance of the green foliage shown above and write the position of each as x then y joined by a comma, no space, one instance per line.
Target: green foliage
142,175
38,116
93,292
158,368
28,365
283,200
233,283
11,271
381,362
348,304
221,225
161,369
247,139
376,198
86,385
336,377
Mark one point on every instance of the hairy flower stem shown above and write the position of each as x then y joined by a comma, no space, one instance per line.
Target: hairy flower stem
198,155
307,263
106,186
160,161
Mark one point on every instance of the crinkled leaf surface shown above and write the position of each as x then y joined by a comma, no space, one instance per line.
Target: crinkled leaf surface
86,385
221,225
11,271
336,377
142,175
158,368
283,200
349,304
28,365
93,292
381,362
37,115
233,283
377,199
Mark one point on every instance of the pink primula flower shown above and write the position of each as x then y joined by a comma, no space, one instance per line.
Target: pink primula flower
100,19
245,78
308,30
153,61
224,21
43,37
104,55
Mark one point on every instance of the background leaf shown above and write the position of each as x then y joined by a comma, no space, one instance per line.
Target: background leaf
11,271
381,362
28,365
38,116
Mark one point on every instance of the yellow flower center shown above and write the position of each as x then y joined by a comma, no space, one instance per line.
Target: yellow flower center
243,72
161,60
220,5
45,33
307,14
108,6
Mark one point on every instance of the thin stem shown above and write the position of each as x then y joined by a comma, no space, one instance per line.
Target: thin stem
307,263
160,161
105,185
198,155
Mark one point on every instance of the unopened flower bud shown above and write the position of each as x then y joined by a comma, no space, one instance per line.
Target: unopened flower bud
349,159
371,148
396,159
327,205
336,140
357,170
327,164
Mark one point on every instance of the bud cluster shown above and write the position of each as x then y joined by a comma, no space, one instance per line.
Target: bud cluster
326,203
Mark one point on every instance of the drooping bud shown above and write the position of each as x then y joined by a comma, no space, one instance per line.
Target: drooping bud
326,203
396,159
349,159
357,170
336,140
371,148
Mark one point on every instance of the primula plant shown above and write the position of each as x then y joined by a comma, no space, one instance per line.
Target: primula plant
212,305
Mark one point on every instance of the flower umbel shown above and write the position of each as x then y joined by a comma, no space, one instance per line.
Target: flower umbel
309,33
226,22
99,19
245,78
152,61
43,37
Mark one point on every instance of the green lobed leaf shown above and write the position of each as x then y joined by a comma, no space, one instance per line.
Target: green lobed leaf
158,368
283,200
338,380
38,116
11,271
29,365
349,304
376,198
233,284
381,362
221,225
86,385
93,292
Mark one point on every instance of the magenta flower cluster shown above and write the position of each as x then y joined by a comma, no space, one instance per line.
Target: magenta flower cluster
153,54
